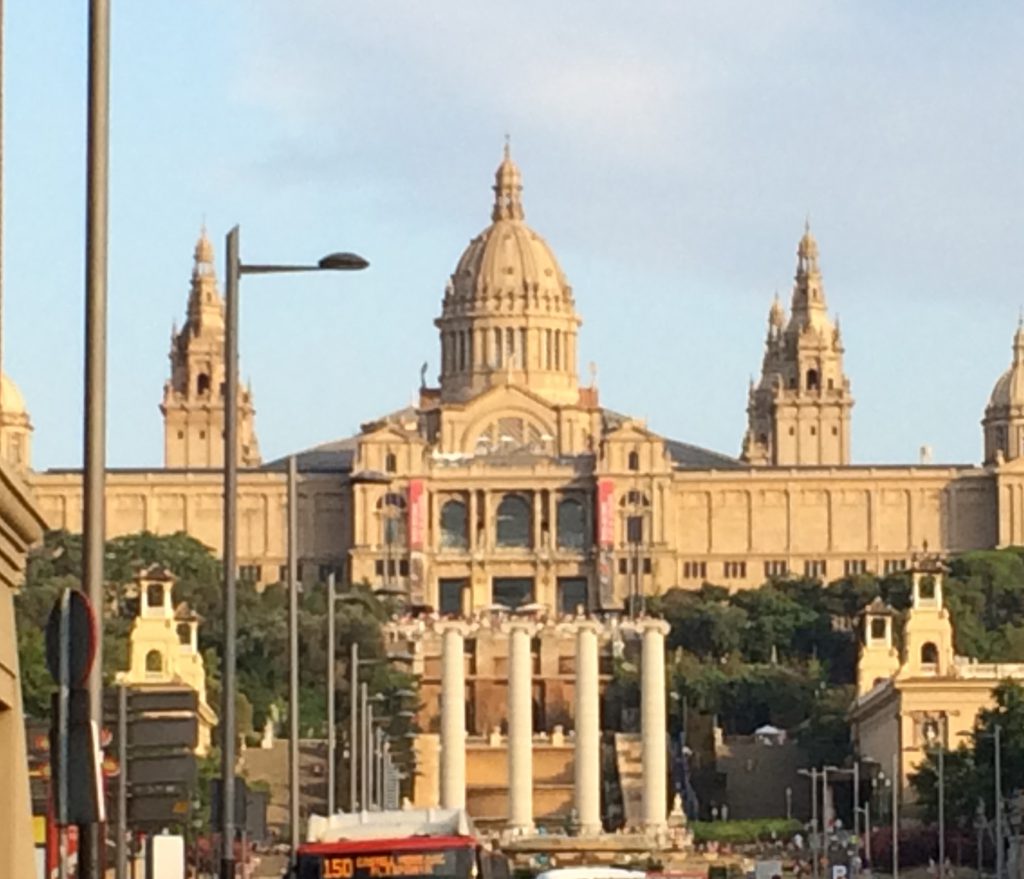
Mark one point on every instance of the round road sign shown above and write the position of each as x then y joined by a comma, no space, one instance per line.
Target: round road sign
81,642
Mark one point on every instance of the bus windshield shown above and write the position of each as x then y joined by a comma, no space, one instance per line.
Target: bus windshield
347,861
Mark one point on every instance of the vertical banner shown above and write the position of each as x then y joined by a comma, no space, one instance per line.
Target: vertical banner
605,513
417,514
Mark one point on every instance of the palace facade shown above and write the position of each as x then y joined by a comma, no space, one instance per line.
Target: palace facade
509,483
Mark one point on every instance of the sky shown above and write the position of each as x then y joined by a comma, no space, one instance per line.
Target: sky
670,153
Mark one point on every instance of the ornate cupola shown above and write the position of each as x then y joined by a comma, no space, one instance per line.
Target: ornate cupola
1003,423
193,403
508,315
799,411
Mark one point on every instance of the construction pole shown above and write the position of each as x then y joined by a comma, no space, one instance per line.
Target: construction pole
332,744
353,727
92,841
896,816
122,782
293,659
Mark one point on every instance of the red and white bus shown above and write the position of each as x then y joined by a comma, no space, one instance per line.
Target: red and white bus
407,844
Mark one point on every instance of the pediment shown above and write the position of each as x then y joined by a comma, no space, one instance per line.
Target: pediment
385,433
632,431
503,420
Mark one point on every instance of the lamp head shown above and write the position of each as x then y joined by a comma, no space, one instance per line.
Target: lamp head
344,262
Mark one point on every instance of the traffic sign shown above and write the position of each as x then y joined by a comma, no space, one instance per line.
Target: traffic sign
81,637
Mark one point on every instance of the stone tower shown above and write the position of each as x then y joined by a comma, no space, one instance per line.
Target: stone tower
799,412
508,315
879,659
928,633
1003,423
193,404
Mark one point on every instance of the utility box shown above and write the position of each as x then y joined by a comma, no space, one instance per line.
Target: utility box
166,857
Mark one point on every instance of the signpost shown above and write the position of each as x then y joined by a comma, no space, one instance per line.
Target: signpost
74,737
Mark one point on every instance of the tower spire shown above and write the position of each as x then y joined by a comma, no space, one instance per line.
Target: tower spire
508,187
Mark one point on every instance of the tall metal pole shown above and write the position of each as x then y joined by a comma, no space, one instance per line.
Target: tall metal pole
856,797
122,782
1000,853
364,776
332,742
896,779
293,656
228,684
814,823
942,802
867,832
95,428
353,726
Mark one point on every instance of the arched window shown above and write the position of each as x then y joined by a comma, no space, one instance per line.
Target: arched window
390,462
155,595
634,460
453,526
202,384
813,381
929,654
184,633
572,524
154,661
512,528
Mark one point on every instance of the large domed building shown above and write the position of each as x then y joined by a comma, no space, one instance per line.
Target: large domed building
15,426
508,484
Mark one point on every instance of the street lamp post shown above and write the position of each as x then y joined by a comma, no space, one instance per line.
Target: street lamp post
234,269
332,738
896,779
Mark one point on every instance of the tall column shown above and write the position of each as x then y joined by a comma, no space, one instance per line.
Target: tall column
588,729
453,714
652,724
520,727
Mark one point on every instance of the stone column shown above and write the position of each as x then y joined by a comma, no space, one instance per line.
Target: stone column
587,768
453,714
520,727
653,724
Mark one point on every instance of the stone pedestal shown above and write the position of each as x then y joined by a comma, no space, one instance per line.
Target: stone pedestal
653,725
453,714
520,727
587,768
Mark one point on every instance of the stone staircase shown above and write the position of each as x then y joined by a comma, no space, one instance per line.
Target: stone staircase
630,768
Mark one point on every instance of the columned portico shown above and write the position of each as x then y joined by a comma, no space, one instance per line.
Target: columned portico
652,724
520,727
588,729
453,714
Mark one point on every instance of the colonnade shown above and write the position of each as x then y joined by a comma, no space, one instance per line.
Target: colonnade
587,762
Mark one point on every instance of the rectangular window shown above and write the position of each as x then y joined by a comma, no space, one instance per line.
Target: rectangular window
648,566
695,570
572,595
635,529
776,568
282,573
450,593
894,566
378,567
512,592
249,573
623,566
815,569
734,570
853,567
403,568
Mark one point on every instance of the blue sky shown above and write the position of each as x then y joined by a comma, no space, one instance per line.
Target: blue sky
670,152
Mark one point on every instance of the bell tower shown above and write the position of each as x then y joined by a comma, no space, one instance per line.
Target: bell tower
799,412
193,403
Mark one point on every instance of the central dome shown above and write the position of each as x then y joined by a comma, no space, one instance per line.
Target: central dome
508,267
508,315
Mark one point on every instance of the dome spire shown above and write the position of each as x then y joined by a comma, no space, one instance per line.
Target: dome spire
508,187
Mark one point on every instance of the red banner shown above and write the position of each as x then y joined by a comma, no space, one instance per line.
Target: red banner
605,513
417,514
